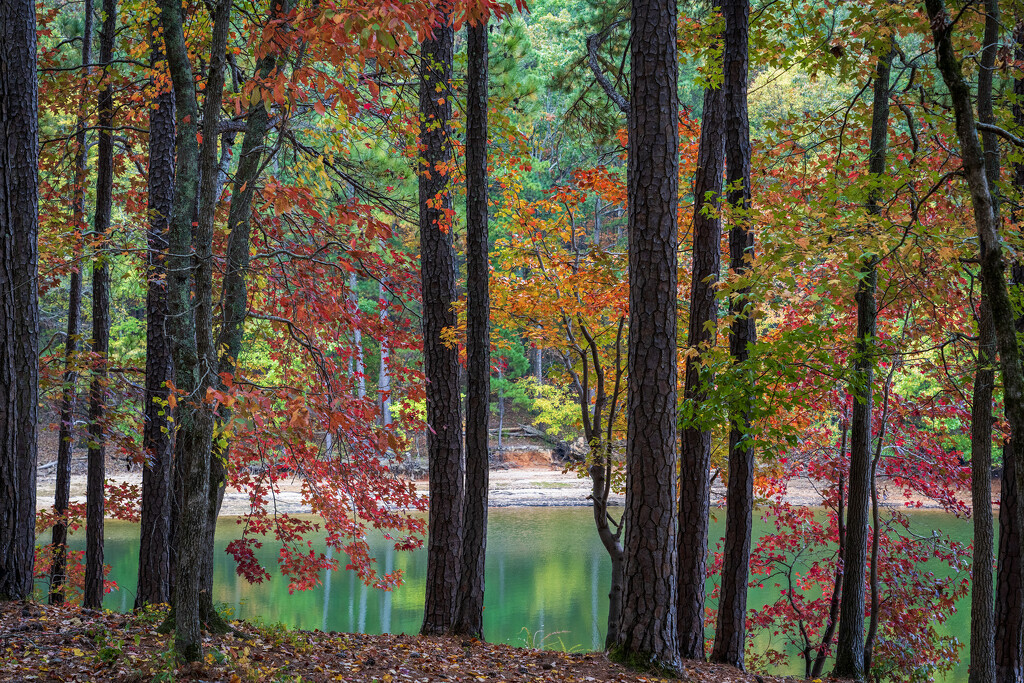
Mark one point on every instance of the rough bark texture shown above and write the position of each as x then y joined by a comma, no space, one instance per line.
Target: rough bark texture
730,629
1008,579
982,669
202,243
695,439
437,266
470,617
19,309
647,627
982,663
155,541
191,444
850,643
93,593
69,392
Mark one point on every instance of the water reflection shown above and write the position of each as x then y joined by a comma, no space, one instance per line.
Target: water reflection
547,582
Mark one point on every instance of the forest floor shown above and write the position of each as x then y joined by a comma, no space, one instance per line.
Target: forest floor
42,643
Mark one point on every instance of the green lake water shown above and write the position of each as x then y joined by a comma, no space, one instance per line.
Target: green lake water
546,582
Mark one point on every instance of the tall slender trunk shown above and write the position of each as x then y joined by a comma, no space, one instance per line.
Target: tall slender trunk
994,288
357,337
69,392
695,442
93,594
437,261
19,306
730,630
470,617
647,625
157,481
384,372
982,669
850,645
983,664
208,482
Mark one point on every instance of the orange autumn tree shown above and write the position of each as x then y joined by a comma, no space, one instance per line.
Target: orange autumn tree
559,285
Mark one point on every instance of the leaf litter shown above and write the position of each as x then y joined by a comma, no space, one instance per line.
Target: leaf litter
70,644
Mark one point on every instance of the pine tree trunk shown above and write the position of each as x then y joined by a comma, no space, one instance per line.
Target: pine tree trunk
647,626
470,617
730,630
95,495
157,480
19,307
444,422
850,644
69,392
695,441
1011,518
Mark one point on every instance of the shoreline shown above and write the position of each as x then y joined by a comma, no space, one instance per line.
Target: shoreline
531,486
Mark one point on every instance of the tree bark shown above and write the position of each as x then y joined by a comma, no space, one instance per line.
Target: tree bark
1009,579
695,455
384,372
19,308
647,626
202,243
69,391
157,481
444,422
982,663
95,495
192,440
982,669
850,643
357,337
470,617
730,630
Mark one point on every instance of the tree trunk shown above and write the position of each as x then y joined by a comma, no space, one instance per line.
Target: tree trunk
647,625
695,455
982,669
982,664
209,482
1011,517
444,421
470,617
93,594
192,440
730,630
157,481
69,392
19,307
235,301
850,644
383,374
357,337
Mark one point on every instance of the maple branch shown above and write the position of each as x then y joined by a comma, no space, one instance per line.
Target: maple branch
593,45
